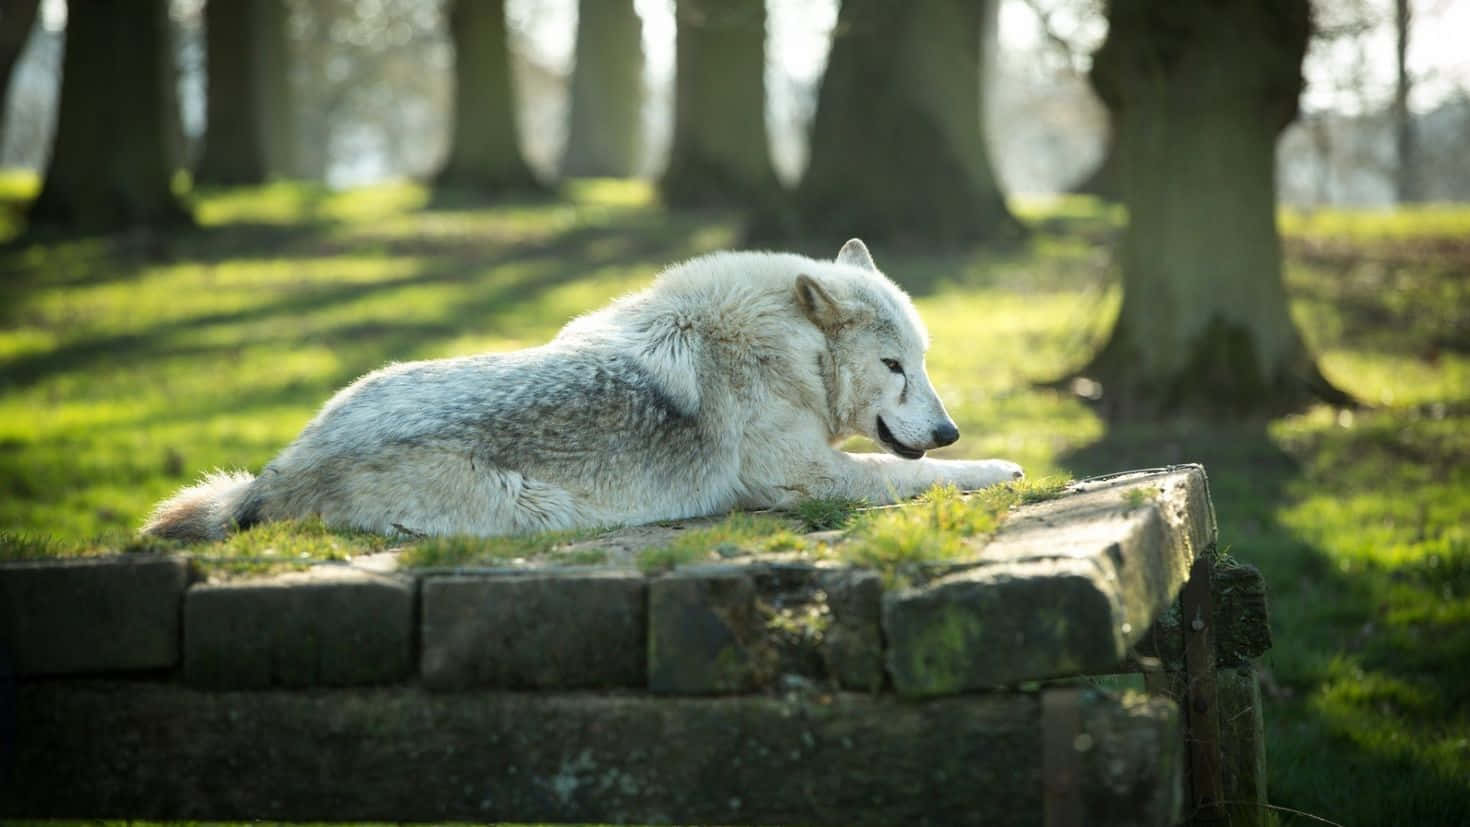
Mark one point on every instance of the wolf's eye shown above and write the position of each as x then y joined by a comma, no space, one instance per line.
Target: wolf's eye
893,365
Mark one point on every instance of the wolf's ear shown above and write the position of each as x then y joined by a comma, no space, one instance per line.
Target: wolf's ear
855,253
817,303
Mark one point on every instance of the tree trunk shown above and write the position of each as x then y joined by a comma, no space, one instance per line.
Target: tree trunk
278,103
1406,145
605,131
110,167
484,152
721,154
17,18
897,147
1198,92
238,58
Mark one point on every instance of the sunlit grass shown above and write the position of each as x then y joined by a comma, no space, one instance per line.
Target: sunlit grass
126,371
942,524
1408,222
442,552
738,534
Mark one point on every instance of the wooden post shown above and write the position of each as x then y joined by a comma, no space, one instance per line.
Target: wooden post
1201,701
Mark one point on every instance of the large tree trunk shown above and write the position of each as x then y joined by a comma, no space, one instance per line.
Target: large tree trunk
17,18
897,146
721,154
484,149
605,130
1198,92
110,167
240,55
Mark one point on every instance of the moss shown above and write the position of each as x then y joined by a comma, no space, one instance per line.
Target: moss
939,661
941,525
1140,495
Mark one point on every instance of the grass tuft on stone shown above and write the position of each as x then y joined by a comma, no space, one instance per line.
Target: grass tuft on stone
828,514
943,524
739,534
460,550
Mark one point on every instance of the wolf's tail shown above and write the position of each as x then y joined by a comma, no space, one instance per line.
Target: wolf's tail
206,511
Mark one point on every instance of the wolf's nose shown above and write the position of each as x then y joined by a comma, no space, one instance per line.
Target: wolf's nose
946,434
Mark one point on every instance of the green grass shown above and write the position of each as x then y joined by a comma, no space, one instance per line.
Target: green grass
940,525
130,365
441,552
738,534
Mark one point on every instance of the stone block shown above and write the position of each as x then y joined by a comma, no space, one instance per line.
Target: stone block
761,625
92,615
546,630
704,633
330,626
1065,587
996,625
852,649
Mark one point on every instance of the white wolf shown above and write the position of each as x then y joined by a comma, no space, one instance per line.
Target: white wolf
726,384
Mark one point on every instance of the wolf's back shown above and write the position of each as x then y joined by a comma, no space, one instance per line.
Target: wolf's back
205,511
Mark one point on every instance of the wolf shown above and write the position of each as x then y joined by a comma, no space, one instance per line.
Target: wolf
726,384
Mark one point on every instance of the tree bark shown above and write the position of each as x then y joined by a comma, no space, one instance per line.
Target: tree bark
721,154
605,130
1198,92
897,146
278,101
1406,144
110,167
244,45
17,18
484,150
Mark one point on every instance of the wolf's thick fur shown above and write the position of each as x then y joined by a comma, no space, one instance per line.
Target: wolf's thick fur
725,384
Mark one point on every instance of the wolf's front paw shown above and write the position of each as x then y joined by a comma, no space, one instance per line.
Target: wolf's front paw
980,473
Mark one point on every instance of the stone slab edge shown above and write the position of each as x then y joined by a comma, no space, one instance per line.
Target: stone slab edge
87,615
1067,586
554,631
328,626
92,749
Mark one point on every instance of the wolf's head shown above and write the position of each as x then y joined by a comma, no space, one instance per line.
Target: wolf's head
877,385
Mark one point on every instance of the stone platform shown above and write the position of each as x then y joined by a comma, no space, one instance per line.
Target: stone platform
364,691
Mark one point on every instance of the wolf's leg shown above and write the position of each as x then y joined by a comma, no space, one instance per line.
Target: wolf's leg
882,478
430,492
877,478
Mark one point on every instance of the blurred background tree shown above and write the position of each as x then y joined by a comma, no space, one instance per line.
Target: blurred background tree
896,145
1198,93
605,132
111,167
484,150
370,88
248,105
721,152
17,18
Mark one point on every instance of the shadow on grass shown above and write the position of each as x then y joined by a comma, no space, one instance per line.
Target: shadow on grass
1356,664
558,260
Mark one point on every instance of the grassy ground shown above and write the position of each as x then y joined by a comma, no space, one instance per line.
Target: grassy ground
129,365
